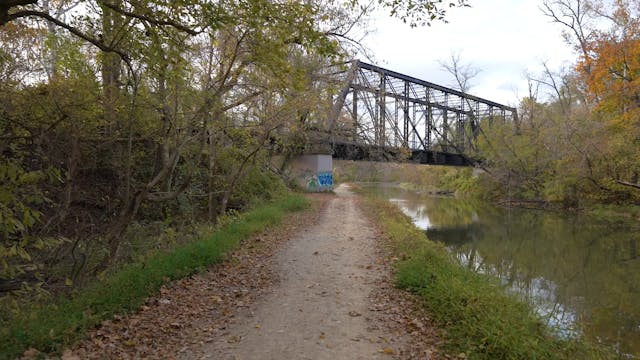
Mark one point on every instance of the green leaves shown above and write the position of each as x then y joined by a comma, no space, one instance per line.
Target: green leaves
420,12
21,197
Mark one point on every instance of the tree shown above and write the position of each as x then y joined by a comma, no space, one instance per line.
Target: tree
612,77
462,73
577,17
581,144
152,110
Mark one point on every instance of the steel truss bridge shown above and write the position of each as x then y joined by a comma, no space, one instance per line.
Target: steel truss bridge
380,114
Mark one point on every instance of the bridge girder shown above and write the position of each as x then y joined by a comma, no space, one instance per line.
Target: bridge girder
383,108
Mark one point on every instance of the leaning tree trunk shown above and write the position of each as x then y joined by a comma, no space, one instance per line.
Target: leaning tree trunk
119,227
131,207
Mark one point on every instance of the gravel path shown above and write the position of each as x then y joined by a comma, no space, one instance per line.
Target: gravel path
318,286
320,309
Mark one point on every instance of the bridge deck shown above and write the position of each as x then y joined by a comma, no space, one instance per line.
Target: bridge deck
351,151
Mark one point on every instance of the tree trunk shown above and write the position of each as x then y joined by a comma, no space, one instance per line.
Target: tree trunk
118,228
72,167
110,70
51,58
110,73
211,198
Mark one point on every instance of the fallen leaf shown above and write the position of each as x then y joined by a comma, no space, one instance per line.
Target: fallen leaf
388,351
234,339
130,343
68,355
30,353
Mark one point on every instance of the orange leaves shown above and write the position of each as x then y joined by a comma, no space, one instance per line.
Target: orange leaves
612,73
615,73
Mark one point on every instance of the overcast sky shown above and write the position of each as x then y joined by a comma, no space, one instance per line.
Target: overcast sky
505,39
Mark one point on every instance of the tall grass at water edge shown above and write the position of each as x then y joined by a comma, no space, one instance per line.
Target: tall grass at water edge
478,318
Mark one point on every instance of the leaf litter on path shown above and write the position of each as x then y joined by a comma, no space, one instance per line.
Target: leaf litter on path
190,313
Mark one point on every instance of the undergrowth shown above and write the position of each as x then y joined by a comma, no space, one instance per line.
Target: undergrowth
50,327
479,319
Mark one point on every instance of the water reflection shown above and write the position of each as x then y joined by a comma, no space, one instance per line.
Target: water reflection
582,275
416,212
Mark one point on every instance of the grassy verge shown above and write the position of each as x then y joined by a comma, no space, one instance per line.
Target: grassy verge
50,327
479,319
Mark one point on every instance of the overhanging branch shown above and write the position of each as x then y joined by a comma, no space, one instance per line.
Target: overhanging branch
626,183
150,20
75,31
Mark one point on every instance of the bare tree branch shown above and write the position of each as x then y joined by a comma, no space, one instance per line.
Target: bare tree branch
630,184
5,6
75,31
573,15
462,73
148,19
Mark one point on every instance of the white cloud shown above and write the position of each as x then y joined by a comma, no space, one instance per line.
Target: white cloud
504,38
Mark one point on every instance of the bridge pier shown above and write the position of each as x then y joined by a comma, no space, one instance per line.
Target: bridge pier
313,172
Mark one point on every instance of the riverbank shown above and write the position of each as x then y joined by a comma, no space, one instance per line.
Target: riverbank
471,183
49,328
480,321
335,284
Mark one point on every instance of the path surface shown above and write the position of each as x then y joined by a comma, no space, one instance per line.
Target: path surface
316,286
320,308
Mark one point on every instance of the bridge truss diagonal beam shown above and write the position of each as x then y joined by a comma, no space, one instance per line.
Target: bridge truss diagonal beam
388,109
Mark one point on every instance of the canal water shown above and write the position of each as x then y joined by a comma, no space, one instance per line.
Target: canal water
582,275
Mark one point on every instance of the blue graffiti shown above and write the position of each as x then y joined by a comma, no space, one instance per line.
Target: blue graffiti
325,180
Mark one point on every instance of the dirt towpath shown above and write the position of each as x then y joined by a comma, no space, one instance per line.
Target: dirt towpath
315,287
320,309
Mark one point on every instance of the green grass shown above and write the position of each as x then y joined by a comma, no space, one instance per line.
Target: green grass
51,327
478,317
